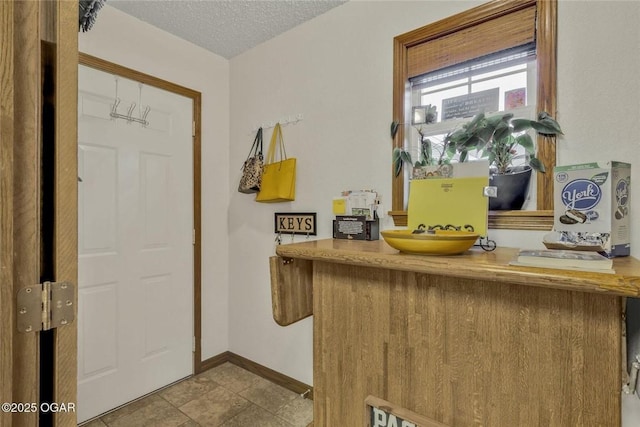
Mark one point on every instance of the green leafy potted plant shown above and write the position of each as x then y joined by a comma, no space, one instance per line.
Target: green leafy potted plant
428,154
497,138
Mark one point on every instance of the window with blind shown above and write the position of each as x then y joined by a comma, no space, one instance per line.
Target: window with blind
499,82
500,55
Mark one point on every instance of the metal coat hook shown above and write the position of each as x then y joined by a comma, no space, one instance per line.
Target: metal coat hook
114,107
145,114
130,112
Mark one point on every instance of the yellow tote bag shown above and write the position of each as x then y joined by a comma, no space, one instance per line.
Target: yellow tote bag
278,177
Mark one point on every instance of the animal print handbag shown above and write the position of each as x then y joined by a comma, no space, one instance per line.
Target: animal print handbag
252,169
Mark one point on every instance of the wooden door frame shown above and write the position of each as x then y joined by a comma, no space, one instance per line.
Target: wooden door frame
19,200
24,25
195,96
65,365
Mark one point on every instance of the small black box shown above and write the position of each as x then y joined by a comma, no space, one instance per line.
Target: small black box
356,228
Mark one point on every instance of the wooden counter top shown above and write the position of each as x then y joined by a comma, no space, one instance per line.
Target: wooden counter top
476,263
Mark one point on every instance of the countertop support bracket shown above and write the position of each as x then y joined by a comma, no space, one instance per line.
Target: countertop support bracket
633,377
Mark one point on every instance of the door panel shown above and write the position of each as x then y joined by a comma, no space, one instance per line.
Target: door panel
155,183
135,234
98,333
98,165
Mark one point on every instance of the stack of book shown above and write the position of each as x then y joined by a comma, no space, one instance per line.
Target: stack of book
564,259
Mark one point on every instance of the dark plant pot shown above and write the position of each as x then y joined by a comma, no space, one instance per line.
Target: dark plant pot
512,189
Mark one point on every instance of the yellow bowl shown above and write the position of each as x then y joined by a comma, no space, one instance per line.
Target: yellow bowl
442,242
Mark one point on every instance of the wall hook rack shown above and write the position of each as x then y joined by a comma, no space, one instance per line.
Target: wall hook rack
129,116
285,121
142,115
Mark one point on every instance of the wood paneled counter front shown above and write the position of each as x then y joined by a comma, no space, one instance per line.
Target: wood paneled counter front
464,340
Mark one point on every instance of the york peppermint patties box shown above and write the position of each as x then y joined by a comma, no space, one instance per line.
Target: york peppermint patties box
591,206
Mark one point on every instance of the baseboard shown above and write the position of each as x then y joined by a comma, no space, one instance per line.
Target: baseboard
212,362
258,369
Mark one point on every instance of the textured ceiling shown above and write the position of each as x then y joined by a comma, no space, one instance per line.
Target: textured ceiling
225,27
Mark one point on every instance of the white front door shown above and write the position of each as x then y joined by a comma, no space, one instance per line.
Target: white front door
135,225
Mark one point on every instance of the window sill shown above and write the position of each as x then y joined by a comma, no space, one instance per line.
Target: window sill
506,220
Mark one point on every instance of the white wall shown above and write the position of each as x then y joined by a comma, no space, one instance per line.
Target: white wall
599,99
124,40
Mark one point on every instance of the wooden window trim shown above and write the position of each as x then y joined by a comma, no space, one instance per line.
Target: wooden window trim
546,30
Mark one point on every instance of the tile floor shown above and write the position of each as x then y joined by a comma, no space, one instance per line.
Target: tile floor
225,396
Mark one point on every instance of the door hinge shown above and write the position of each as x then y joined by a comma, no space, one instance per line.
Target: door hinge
193,128
45,306
193,345
193,237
